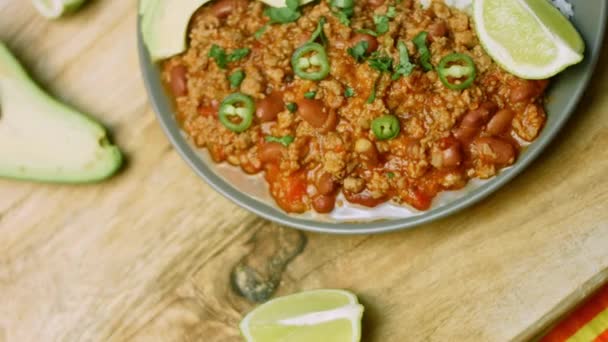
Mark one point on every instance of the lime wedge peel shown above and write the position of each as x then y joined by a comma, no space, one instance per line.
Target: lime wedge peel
529,38
54,9
272,315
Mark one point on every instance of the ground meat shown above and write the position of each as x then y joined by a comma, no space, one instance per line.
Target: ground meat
440,145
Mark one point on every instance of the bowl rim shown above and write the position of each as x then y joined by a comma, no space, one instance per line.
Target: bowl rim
251,204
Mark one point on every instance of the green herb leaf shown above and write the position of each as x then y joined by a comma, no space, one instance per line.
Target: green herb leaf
236,78
390,175
367,31
343,17
219,55
238,54
318,33
405,67
381,22
285,141
423,50
260,32
358,51
391,12
380,62
291,107
349,92
310,94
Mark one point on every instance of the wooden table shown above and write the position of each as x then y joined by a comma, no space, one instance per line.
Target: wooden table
148,255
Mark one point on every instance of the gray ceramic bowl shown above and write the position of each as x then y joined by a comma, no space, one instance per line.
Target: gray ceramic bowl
566,91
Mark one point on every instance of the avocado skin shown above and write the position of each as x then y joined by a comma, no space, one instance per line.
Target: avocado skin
106,159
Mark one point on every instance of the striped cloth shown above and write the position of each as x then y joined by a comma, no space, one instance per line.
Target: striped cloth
588,323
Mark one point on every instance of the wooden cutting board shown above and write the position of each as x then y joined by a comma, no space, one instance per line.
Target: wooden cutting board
149,255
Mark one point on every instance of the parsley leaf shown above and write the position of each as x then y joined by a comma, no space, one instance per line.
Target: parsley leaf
310,94
349,92
358,51
222,59
283,15
381,22
423,50
236,78
380,62
219,55
405,67
318,33
292,107
285,141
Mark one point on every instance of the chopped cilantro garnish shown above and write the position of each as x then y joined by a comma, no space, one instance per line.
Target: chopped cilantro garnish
349,92
359,50
423,50
285,141
222,59
381,22
380,62
391,12
283,15
390,175
291,107
343,17
219,55
367,31
260,32
236,78
310,94
405,67
318,33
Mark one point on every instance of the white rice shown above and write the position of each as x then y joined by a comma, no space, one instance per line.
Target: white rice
563,5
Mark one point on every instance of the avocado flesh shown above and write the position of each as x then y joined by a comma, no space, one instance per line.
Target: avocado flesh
44,140
165,25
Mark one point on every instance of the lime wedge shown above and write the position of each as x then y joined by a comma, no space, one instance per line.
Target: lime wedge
56,8
529,38
319,315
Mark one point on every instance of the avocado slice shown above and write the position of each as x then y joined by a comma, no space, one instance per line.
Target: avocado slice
44,140
165,25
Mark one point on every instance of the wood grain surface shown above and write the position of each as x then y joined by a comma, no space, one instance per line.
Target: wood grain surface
156,254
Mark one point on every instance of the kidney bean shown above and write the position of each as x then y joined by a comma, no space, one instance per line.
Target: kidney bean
178,81
324,204
438,30
522,90
495,150
368,152
477,117
451,157
271,152
375,3
372,42
222,8
269,107
313,111
500,121
465,134
325,184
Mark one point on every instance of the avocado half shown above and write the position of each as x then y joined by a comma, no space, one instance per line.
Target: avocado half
44,140
164,24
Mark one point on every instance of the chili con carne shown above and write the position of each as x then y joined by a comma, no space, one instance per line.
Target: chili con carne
236,112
